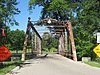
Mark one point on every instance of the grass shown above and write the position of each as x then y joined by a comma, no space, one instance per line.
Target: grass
8,66
15,51
20,51
93,63
44,52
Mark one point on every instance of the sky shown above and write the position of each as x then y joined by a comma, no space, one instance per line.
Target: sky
22,18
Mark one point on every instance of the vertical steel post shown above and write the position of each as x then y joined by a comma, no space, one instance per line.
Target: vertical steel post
60,45
69,25
35,43
62,42
32,41
66,42
39,46
26,40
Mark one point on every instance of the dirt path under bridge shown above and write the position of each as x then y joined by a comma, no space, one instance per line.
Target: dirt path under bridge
56,65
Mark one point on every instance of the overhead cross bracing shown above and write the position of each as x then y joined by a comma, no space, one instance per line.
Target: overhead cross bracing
57,29
52,24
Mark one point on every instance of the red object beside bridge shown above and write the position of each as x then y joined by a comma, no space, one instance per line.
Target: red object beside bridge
4,53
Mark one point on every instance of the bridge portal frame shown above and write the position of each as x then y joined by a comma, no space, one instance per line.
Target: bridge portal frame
55,23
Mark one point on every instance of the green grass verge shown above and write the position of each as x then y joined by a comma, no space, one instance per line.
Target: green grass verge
6,69
93,63
8,66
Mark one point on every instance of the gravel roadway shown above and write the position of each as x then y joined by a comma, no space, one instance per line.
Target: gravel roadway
55,64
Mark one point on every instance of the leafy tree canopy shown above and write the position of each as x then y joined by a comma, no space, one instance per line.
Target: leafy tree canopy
7,11
58,9
15,39
49,41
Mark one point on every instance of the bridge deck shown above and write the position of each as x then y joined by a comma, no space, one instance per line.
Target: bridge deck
55,64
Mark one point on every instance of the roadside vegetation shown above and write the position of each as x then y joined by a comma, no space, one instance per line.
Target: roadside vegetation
8,66
93,63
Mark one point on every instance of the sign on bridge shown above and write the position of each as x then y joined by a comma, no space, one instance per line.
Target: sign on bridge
97,50
4,53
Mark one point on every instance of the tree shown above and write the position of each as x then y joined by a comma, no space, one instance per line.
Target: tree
16,39
57,9
87,23
49,42
7,11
